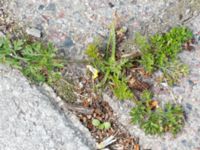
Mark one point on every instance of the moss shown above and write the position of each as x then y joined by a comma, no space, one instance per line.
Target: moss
65,90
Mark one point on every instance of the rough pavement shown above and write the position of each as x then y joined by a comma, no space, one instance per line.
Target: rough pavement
71,25
29,121
74,24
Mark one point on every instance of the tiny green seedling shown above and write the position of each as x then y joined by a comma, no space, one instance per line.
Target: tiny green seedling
101,125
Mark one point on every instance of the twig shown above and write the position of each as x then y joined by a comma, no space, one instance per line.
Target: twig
132,54
106,142
78,108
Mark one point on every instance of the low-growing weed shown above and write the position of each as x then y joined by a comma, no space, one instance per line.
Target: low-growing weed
35,59
112,69
159,49
157,120
158,52
173,71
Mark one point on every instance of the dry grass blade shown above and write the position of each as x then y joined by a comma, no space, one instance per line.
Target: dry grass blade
133,54
108,141
79,109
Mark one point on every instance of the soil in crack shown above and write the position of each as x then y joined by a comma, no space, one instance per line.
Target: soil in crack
104,113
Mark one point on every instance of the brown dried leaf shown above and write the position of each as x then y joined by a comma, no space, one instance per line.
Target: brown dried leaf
189,45
121,36
143,73
153,104
86,103
136,147
90,126
138,85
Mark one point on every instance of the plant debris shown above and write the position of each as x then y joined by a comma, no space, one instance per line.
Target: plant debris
114,137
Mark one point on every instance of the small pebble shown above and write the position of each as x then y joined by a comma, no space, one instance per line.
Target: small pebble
41,7
51,7
68,42
34,32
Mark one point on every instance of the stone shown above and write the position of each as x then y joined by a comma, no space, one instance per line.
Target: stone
51,7
189,106
188,109
34,32
41,7
68,43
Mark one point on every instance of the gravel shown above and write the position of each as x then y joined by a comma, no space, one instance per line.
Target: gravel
33,32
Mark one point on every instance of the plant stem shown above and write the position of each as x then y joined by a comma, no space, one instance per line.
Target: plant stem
113,42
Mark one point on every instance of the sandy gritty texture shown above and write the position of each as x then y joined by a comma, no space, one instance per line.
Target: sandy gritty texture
71,25
30,121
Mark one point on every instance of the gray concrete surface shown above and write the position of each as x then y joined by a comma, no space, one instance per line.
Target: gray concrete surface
72,24
30,121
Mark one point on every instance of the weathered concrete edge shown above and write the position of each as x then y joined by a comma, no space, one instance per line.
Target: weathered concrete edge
58,103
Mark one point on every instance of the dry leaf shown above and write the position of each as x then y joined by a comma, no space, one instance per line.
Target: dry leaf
136,147
189,45
138,85
143,73
86,103
153,104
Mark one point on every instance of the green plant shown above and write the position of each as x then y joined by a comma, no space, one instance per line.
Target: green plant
101,125
159,52
173,71
142,108
120,89
147,57
159,120
138,113
173,118
161,49
112,69
35,59
153,123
